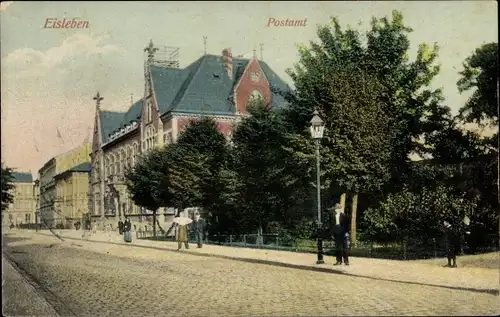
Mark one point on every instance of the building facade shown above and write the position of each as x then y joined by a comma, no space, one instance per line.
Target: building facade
53,185
22,209
72,194
213,86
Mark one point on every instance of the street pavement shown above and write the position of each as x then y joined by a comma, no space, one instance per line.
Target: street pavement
19,296
103,279
411,272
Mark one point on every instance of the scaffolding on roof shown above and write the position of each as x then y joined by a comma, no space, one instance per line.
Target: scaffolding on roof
167,57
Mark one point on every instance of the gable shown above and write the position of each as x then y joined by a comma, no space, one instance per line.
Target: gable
253,81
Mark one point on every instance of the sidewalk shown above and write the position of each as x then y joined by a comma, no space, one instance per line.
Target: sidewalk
478,279
19,297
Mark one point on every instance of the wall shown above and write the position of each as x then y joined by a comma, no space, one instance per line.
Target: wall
22,209
246,86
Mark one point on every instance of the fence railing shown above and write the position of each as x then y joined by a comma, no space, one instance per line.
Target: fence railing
412,251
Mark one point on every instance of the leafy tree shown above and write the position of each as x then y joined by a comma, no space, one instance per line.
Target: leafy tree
7,187
417,215
381,58
144,182
202,137
481,75
166,177
270,180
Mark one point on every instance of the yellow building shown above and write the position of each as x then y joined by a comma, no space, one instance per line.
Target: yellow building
72,194
22,210
56,177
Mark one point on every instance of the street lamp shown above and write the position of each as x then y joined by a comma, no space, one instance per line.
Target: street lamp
317,129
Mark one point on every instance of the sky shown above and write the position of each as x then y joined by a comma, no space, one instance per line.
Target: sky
49,76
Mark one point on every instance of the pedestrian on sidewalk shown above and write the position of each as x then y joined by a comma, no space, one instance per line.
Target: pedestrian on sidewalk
452,244
341,235
120,226
94,227
127,228
182,236
198,227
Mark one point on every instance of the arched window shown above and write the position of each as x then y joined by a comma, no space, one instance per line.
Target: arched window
255,96
117,164
111,164
135,153
129,156
122,161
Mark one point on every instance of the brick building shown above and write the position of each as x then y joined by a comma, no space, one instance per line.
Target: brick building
213,86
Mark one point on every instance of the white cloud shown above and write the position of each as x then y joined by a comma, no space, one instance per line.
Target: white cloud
28,62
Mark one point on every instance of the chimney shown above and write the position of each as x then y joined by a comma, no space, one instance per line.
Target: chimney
228,62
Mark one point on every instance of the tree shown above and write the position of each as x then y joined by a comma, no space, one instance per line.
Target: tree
268,177
481,75
417,216
144,182
202,137
376,103
7,187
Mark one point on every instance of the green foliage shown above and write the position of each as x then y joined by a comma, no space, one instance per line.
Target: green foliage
268,178
7,187
411,215
481,75
376,103
145,178
201,138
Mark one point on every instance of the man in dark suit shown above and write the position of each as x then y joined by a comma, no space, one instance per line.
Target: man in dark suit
341,235
198,226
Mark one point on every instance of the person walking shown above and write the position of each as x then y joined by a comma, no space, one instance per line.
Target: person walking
199,226
127,227
94,227
182,236
120,226
453,235
341,236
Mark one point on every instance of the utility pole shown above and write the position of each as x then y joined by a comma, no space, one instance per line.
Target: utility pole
205,44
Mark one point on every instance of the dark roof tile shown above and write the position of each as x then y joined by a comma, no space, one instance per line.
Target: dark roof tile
22,177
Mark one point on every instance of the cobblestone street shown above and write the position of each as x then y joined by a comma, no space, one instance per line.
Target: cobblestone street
129,281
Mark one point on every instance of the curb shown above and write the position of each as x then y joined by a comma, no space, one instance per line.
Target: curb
323,269
49,299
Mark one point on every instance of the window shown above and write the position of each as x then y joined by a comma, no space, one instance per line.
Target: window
135,153
117,164
129,156
255,96
122,161
167,138
255,77
112,165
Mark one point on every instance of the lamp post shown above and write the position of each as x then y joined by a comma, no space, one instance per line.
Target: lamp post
317,129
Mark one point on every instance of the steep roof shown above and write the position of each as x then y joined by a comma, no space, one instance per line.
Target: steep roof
133,114
22,177
204,86
110,120
201,87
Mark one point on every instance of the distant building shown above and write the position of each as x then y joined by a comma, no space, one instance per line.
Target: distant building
22,210
56,189
218,87
72,193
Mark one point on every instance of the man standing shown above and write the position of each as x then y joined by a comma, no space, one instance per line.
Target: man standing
199,229
120,226
453,242
341,236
